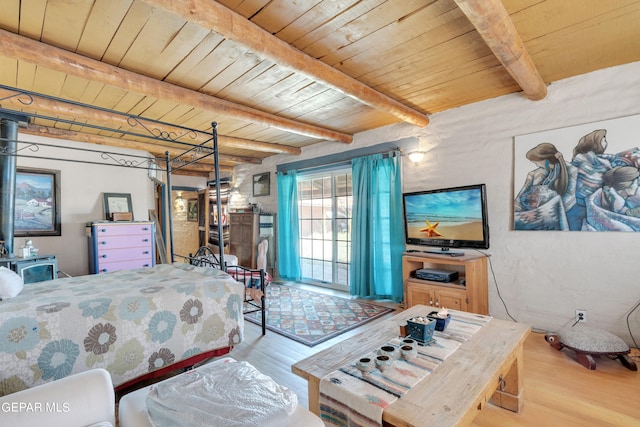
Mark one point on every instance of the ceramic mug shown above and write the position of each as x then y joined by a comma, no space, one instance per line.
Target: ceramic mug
365,364
408,352
388,350
383,362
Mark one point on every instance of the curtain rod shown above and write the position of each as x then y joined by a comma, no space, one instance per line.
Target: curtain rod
346,156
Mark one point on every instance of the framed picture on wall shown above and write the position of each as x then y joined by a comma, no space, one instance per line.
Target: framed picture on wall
117,202
261,184
37,202
192,210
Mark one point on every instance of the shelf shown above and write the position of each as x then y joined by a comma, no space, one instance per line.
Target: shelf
453,285
472,296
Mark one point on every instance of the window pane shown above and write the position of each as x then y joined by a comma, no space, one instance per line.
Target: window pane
326,183
318,253
342,276
305,248
305,229
342,252
305,209
318,269
328,250
327,229
341,186
317,228
306,266
316,192
328,271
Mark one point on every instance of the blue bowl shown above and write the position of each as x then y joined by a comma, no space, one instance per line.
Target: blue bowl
441,324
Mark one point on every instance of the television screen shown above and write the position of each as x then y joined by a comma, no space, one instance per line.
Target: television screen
448,217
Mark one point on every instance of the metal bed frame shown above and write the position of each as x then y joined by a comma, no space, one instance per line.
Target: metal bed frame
149,129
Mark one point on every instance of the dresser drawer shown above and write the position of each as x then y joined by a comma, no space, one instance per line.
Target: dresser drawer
115,242
122,230
123,254
108,267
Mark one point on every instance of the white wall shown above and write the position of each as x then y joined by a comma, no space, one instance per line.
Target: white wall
542,276
81,194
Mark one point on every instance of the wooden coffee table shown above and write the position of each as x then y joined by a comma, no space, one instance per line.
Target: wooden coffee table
487,367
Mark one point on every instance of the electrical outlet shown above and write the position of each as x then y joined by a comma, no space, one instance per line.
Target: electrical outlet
581,315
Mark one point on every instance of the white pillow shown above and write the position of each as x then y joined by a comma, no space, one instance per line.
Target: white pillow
11,283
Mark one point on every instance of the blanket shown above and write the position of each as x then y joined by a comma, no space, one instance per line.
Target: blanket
130,322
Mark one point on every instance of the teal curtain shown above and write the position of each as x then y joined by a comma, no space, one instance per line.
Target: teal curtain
288,232
377,236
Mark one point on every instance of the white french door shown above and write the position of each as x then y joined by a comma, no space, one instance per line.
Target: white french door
324,210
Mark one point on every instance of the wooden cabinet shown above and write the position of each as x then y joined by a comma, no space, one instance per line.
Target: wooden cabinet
208,218
117,246
248,229
468,293
244,237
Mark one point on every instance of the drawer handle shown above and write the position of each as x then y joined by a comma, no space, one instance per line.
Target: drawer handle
146,252
103,242
502,383
146,265
145,228
145,240
103,256
104,270
103,230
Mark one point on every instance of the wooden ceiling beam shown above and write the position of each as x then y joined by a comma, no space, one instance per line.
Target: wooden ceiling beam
44,105
41,54
214,16
192,170
493,23
265,147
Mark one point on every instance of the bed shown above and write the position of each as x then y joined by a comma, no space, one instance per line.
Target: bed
134,323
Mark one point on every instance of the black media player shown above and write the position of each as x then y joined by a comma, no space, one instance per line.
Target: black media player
436,275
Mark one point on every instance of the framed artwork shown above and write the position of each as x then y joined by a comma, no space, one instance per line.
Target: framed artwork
117,202
192,210
37,203
579,178
261,184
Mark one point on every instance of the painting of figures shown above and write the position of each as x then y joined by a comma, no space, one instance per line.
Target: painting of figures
579,178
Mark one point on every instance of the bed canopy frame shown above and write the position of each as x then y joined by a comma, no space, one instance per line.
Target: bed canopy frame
139,127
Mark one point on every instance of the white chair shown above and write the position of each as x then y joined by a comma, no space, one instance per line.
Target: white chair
80,400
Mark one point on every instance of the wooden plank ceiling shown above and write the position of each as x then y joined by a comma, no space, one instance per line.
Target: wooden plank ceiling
278,75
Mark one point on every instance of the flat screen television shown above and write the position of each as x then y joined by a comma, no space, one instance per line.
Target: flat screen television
447,218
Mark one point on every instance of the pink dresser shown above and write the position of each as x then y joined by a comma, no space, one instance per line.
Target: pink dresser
120,245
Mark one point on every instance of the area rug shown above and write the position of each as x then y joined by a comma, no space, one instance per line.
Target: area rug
313,317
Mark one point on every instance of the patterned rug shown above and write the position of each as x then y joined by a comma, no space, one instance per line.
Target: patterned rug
312,317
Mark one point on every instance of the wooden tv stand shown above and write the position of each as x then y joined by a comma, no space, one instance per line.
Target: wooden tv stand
468,293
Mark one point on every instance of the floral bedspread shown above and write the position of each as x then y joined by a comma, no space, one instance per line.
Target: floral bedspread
129,322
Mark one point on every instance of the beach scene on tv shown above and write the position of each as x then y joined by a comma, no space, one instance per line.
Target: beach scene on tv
453,215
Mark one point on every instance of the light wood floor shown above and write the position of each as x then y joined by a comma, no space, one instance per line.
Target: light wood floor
558,391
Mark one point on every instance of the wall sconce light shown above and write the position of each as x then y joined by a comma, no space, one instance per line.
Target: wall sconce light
416,156
179,204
